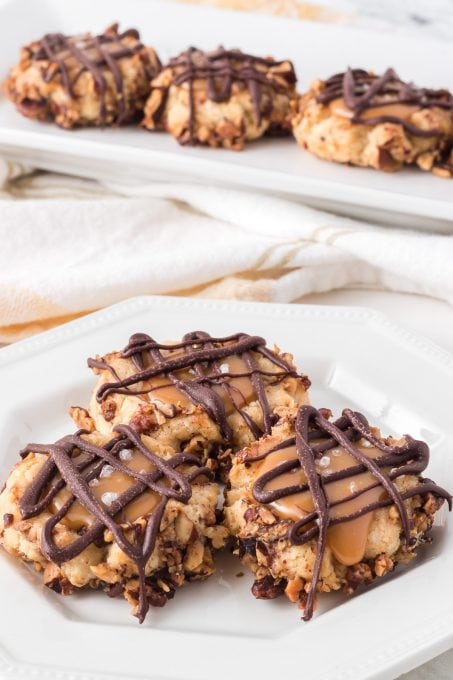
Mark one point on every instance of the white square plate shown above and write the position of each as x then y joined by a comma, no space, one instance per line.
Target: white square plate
410,197
355,357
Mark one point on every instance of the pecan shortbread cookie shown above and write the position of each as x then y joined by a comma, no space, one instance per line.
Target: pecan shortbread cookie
127,515
84,79
319,506
222,98
382,122
208,394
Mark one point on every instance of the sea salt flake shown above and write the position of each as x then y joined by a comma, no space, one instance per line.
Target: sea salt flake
106,471
191,371
224,368
324,461
352,487
336,453
93,482
109,497
366,444
125,454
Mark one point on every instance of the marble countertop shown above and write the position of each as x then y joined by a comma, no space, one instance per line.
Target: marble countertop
433,18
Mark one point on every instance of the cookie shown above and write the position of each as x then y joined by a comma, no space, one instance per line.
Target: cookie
319,506
84,79
223,98
381,122
124,514
210,394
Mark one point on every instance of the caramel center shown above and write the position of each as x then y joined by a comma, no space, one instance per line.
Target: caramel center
403,111
235,392
347,540
106,488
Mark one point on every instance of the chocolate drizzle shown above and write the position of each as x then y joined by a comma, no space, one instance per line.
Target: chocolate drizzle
202,354
314,436
64,469
362,91
221,69
93,54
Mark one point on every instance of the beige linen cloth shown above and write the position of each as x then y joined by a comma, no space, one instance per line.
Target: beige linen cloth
70,246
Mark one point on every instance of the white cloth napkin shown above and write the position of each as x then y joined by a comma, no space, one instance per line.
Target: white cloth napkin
71,245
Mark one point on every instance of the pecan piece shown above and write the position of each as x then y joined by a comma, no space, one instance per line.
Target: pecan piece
251,514
114,590
432,504
82,418
356,575
382,565
294,589
8,519
267,588
60,585
155,597
108,408
142,422
386,161
247,546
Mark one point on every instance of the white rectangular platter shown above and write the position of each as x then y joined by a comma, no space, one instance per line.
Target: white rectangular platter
355,357
278,166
